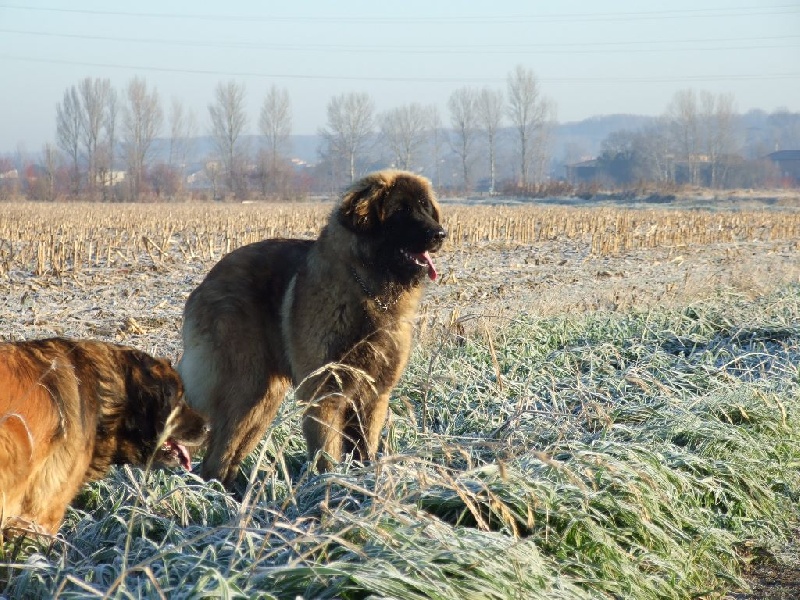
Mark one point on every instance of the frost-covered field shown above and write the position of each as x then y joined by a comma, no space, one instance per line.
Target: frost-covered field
573,423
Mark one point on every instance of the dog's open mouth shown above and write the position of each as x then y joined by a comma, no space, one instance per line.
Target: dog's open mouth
177,452
422,259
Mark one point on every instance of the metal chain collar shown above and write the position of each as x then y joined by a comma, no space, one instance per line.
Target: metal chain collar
383,306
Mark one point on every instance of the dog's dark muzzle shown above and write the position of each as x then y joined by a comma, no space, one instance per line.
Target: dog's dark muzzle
434,238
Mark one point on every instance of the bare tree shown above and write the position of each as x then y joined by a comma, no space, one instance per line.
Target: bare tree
544,139
617,157
703,134
684,120
172,171
276,126
464,119
182,131
68,134
106,151
43,186
629,157
783,130
717,134
404,130
436,134
177,126
214,174
228,121
654,158
276,120
490,117
50,161
350,123
528,112
94,95
142,121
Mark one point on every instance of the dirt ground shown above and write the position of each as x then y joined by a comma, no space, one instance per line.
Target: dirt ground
772,582
142,306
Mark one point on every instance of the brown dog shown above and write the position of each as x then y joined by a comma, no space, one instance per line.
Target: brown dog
70,409
332,315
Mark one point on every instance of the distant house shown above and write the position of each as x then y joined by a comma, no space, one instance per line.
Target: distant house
582,172
788,162
110,178
198,180
702,170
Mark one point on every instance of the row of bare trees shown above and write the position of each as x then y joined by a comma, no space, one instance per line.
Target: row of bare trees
229,124
479,114
701,127
102,132
94,123
87,122
476,116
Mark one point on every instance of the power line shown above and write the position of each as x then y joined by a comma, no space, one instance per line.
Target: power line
743,11
561,48
246,73
611,80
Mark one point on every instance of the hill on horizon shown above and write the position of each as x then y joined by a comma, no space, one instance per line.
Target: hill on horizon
585,136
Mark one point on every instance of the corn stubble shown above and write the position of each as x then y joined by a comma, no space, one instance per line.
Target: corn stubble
71,238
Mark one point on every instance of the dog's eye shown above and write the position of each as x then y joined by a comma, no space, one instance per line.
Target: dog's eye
403,209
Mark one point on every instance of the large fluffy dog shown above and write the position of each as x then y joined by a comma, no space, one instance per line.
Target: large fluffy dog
70,409
332,315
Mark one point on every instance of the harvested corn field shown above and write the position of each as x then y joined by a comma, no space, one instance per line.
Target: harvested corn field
41,238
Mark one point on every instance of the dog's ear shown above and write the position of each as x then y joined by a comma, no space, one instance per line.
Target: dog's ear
361,209
166,383
154,388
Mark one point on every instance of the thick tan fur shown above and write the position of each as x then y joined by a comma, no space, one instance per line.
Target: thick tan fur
69,410
333,316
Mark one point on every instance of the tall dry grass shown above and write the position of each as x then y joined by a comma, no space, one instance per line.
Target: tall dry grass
61,238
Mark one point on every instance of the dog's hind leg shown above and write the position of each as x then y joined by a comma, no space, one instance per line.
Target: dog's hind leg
237,427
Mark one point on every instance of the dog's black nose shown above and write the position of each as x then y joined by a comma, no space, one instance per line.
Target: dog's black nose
438,235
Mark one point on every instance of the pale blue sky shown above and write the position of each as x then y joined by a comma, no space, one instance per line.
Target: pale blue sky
617,56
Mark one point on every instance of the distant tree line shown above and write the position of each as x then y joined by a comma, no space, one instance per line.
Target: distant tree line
699,141
110,145
105,141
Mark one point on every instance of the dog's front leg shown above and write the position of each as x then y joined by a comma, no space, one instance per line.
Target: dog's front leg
324,429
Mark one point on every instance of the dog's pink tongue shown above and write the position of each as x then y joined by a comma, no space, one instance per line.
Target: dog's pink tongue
184,458
431,269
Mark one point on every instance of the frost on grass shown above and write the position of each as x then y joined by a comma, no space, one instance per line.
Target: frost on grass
624,455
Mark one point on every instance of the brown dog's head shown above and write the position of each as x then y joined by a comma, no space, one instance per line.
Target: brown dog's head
396,216
157,422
